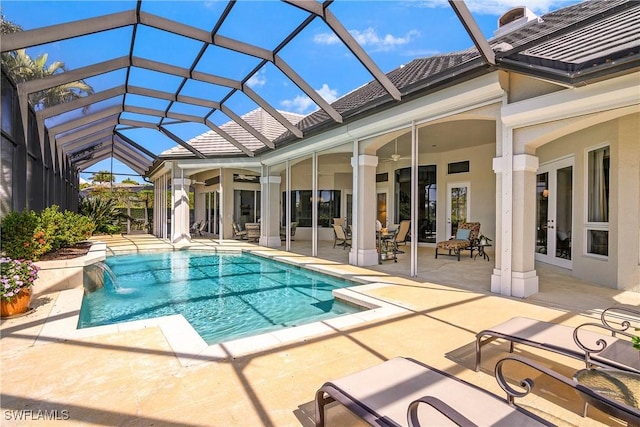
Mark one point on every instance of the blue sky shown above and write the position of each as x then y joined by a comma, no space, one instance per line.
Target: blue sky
391,32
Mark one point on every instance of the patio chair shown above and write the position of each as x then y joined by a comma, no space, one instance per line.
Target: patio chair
202,227
237,233
601,344
194,227
253,231
341,237
283,231
403,391
401,235
466,238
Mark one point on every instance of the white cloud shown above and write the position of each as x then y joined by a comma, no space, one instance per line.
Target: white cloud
302,104
370,37
326,38
259,79
498,7
327,93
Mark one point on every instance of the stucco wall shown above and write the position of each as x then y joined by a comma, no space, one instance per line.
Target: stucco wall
60,275
621,268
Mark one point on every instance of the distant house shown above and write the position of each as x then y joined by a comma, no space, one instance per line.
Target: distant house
107,186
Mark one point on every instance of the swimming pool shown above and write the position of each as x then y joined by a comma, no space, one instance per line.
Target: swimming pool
223,296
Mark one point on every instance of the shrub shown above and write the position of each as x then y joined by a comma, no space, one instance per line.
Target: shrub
103,212
27,235
63,229
18,230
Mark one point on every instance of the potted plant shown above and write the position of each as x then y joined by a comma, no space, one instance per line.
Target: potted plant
17,276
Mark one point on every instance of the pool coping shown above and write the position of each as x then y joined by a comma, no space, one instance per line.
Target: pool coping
188,345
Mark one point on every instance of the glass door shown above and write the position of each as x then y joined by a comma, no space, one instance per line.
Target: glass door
554,213
457,206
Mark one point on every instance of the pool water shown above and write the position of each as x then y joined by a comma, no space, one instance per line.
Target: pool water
223,296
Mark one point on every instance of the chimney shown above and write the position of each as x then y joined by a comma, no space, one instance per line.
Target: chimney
514,19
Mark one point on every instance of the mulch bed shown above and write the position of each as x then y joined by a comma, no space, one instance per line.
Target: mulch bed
78,250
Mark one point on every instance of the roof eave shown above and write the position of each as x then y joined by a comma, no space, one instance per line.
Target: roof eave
578,78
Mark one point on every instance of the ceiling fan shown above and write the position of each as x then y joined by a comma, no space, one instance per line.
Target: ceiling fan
395,156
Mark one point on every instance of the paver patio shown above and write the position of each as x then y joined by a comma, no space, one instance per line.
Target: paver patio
134,377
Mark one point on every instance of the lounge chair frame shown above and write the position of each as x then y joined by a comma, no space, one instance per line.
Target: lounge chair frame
370,406
577,343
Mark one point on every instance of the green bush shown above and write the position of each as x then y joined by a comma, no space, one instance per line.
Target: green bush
63,229
17,231
29,235
103,212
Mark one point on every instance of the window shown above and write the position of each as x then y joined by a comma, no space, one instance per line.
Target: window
246,206
458,167
301,205
427,197
597,227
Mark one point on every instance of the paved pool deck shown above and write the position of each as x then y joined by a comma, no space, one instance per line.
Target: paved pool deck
133,376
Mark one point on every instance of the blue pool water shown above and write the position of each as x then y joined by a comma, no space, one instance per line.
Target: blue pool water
224,296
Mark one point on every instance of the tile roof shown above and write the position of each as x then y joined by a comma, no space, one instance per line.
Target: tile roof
607,39
577,34
210,143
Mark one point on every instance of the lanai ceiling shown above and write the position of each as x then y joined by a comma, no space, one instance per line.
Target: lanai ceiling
190,84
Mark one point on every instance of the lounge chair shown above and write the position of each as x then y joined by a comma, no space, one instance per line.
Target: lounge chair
403,391
600,344
466,238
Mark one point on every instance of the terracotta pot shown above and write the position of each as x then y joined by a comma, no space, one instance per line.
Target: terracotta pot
16,305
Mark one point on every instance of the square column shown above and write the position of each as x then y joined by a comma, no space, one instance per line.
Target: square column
180,210
199,203
270,211
515,273
364,249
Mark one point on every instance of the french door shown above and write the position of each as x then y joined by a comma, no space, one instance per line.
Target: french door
554,213
458,206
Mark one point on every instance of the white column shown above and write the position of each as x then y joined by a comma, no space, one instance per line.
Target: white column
515,273
270,211
524,276
200,203
180,210
365,198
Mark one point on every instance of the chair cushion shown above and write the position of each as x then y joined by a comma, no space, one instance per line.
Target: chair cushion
463,234
453,244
